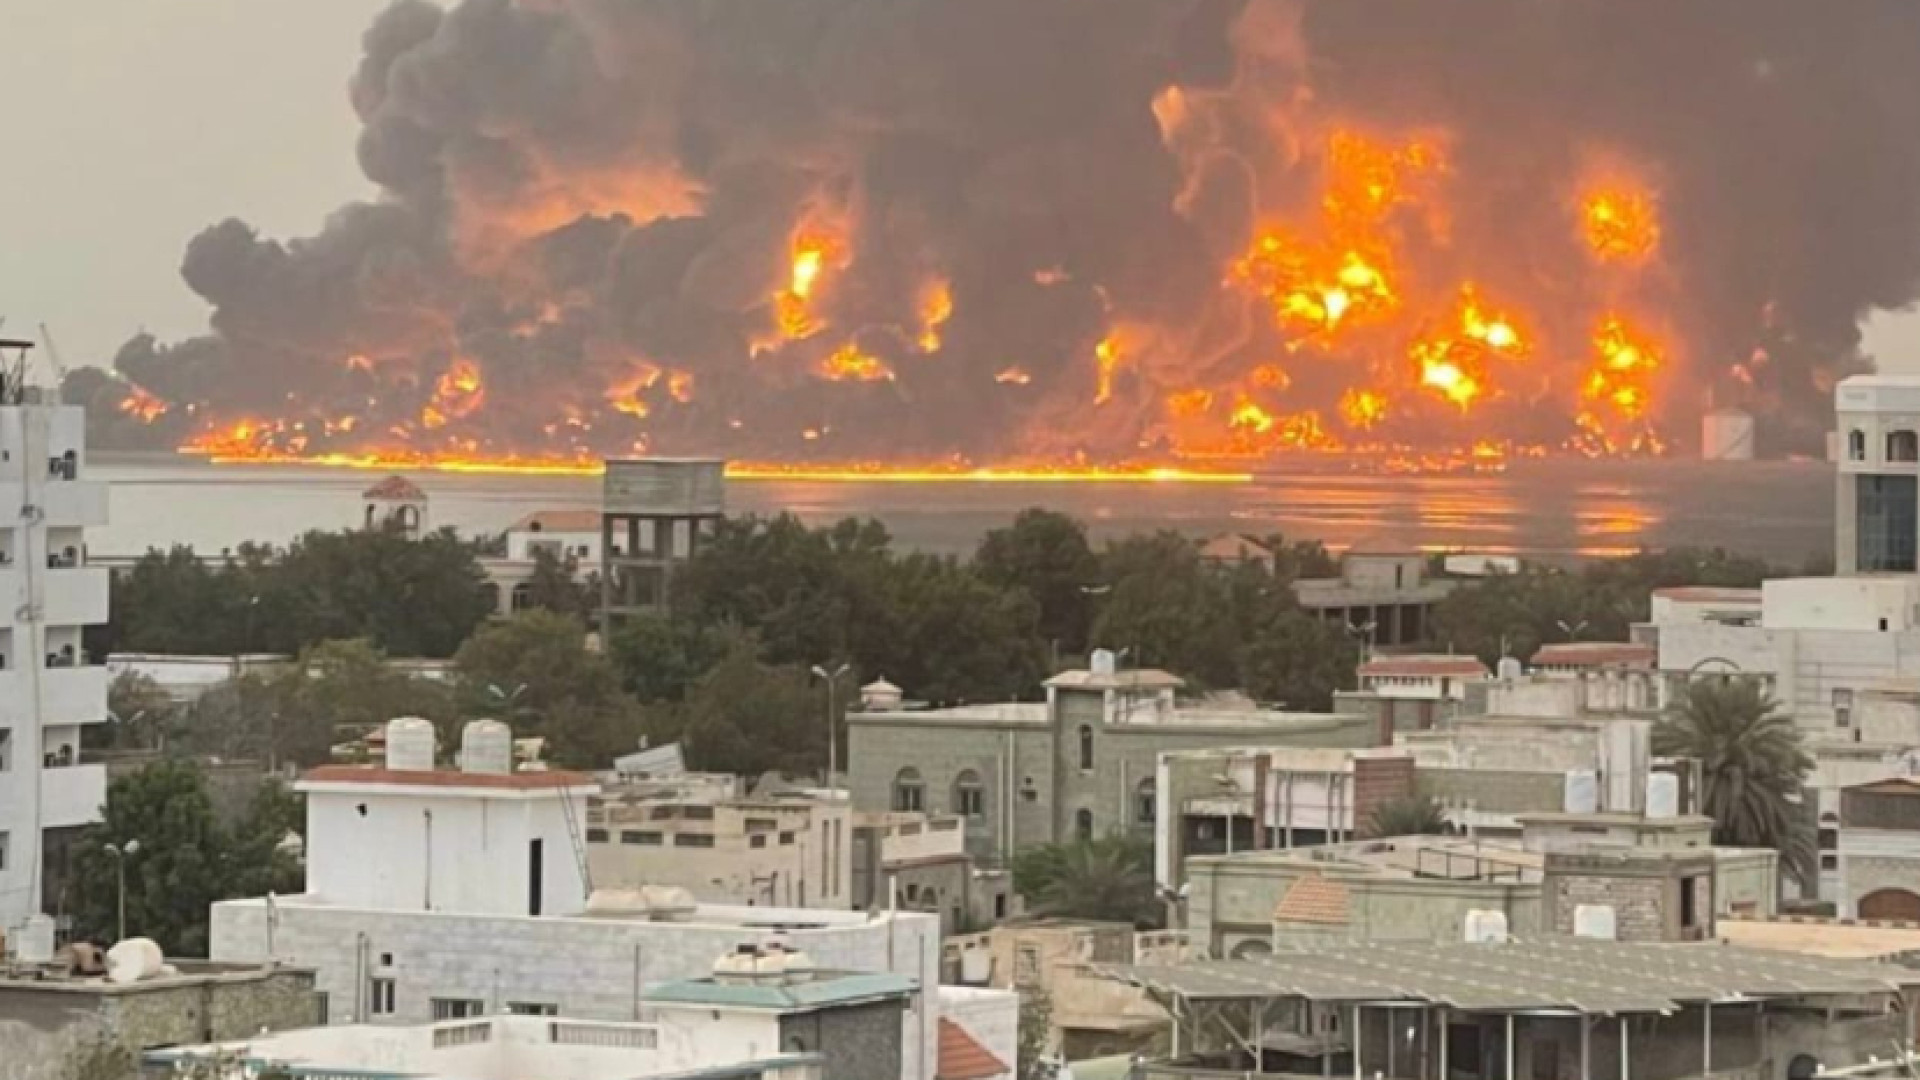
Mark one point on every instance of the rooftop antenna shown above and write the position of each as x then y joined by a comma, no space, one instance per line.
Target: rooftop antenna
13,370
54,362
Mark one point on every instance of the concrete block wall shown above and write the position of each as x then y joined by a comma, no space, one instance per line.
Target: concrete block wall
1376,783
591,969
1638,903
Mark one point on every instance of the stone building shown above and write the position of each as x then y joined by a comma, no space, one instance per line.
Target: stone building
1079,764
1879,850
788,849
919,862
51,1019
1384,594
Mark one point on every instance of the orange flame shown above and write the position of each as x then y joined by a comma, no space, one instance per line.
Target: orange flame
936,307
143,406
1620,224
848,362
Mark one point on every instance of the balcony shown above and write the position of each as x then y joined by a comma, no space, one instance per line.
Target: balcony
72,795
77,504
72,596
68,696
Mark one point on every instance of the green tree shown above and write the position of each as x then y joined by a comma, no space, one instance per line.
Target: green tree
409,597
171,602
1298,661
554,585
659,656
178,861
1752,766
1034,1049
1045,555
1168,609
1413,815
534,672
1109,878
138,714
749,717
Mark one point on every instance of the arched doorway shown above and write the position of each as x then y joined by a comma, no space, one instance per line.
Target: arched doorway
1892,904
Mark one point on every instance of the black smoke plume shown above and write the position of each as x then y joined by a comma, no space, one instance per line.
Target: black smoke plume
578,193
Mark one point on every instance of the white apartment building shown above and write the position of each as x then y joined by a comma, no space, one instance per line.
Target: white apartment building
49,690
436,894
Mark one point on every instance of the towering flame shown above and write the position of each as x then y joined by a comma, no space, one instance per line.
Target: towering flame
1000,232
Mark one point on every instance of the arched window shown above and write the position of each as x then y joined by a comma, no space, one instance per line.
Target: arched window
909,793
969,795
1903,446
1083,824
522,596
1856,445
1144,804
1086,748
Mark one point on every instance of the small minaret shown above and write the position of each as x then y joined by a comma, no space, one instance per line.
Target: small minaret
397,504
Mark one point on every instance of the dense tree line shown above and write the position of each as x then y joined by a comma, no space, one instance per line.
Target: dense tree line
726,669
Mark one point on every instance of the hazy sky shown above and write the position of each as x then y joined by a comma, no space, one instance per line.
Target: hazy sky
133,124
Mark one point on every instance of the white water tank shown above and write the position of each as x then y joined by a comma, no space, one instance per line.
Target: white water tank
1594,921
134,959
409,744
1582,792
1486,927
486,746
1663,795
1726,435
1101,662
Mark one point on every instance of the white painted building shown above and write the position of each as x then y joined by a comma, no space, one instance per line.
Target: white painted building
504,1047
49,690
1877,505
435,895
564,534
1430,677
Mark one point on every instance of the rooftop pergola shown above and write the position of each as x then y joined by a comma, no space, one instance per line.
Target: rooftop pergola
1549,978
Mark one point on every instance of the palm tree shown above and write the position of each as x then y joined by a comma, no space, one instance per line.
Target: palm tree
1752,765
1109,879
1412,815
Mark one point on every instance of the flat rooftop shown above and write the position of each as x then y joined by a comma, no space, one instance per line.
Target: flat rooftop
53,977
1820,937
1402,858
706,916
1577,974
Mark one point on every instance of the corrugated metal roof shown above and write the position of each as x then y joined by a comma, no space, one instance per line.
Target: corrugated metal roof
1551,973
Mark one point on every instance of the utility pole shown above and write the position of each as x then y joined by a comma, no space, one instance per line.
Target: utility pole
833,719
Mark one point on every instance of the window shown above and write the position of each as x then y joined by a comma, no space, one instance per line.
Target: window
786,839
380,994
761,824
6,750
642,838
757,841
1856,445
1145,806
1083,824
533,1008
1689,903
457,1008
1843,700
1903,446
699,813
693,840
660,813
969,797
909,794
596,836
3,851
1886,522
999,905
1086,748
1829,860
1026,966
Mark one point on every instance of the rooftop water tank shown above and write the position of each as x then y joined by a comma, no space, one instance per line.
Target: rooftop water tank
410,744
1663,795
486,746
134,959
1726,435
1101,662
1595,921
1486,927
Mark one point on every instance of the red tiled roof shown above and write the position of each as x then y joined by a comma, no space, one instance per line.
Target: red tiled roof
397,488
1314,899
963,1058
1594,654
1424,665
1707,594
449,778
558,521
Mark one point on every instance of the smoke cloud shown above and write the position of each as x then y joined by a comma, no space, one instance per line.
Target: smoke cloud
1002,229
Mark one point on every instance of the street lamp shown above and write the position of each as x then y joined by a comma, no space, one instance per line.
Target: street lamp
504,699
1362,633
121,853
1232,787
1572,632
832,679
